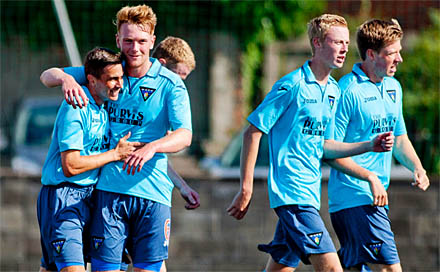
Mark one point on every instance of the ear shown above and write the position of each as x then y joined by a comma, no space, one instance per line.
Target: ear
163,61
316,42
117,40
91,79
370,54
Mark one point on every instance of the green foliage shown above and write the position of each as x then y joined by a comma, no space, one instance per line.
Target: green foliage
265,22
420,79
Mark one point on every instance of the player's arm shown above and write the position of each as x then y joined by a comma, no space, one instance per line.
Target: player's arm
74,163
54,77
191,196
249,153
405,153
174,142
350,167
381,143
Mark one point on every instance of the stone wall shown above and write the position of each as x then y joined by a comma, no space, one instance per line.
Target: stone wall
207,239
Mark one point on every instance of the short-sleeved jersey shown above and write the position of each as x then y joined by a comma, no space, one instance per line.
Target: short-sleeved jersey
86,130
147,107
297,115
366,110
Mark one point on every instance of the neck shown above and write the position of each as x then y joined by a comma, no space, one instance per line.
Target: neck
139,71
320,70
369,70
96,97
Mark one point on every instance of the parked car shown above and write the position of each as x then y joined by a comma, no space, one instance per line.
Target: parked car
32,133
227,166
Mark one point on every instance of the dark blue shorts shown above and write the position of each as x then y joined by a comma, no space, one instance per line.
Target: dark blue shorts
300,232
140,225
63,215
365,236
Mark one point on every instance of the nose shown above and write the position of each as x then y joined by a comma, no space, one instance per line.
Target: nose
399,58
345,48
135,46
120,82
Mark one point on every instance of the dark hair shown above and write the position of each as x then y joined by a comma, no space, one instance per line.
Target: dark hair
98,58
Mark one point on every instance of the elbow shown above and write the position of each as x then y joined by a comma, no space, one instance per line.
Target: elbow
187,139
44,78
69,170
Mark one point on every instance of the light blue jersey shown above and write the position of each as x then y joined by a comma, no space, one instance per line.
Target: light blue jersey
85,129
366,110
297,114
147,107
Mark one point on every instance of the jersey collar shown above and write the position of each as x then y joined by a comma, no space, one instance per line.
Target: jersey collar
357,70
155,68
153,71
310,77
90,97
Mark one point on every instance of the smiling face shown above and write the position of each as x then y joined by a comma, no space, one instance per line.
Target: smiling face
333,50
107,87
386,61
135,42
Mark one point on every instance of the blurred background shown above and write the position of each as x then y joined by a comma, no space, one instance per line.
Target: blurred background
241,49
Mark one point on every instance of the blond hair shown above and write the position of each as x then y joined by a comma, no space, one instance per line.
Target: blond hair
319,26
175,50
141,15
376,34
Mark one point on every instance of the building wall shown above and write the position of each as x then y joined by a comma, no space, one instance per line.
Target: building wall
207,239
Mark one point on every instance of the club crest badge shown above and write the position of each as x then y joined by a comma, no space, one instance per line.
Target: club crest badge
375,248
58,245
146,92
331,101
97,242
392,95
316,237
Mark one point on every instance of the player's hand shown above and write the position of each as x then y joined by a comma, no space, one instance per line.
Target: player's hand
126,148
383,142
72,92
421,180
191,197
240,205
138,158
380,195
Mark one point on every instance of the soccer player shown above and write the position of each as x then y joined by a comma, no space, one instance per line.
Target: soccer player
176,54
133,208
371,103
297,114
80,146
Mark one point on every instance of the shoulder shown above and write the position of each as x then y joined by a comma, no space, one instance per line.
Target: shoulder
169,76
291,80
348,83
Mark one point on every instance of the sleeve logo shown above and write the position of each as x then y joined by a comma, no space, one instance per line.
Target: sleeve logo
146,92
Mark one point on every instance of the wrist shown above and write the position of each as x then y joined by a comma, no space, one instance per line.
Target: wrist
115,154
66,78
